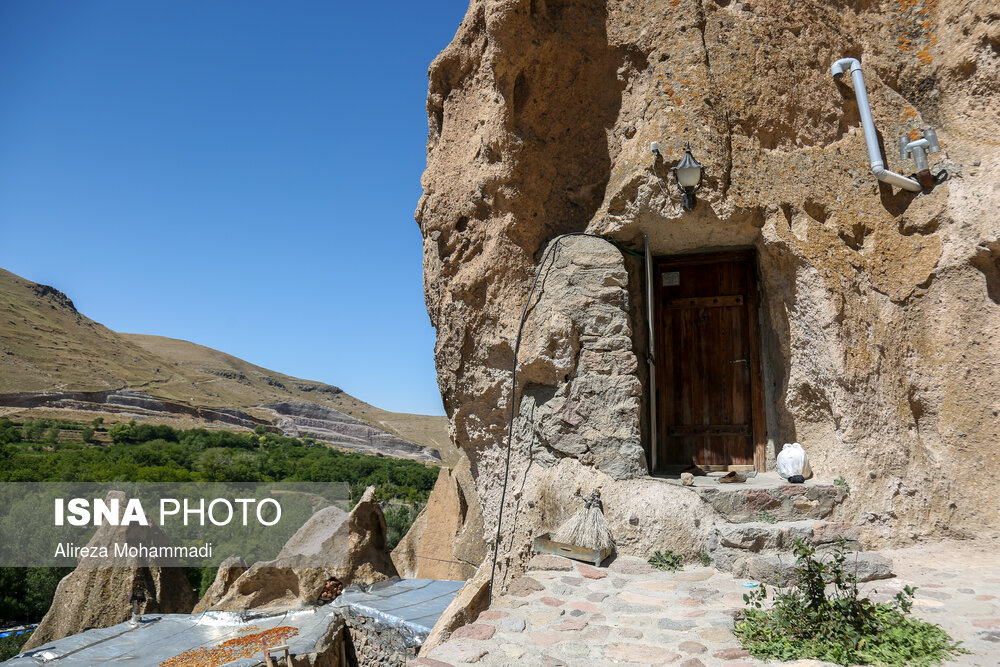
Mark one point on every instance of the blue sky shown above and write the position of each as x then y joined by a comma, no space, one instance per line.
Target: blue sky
238,174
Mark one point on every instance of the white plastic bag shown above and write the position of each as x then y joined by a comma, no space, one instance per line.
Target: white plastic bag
792,460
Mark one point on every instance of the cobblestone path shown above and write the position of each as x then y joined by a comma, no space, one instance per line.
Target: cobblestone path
567,613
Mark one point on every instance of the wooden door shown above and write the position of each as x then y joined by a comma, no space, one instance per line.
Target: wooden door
710,403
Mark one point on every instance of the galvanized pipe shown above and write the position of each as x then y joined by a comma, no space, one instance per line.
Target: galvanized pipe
868,124
919,149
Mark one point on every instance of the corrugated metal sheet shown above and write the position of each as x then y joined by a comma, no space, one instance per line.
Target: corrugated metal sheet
408,606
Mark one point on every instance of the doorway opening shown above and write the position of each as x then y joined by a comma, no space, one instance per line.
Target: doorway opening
709,396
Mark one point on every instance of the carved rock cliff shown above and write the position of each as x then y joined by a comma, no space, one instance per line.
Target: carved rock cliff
879,308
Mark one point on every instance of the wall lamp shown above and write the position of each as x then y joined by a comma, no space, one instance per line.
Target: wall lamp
687,174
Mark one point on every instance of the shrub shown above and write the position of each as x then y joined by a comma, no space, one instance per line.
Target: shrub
824,616
666,560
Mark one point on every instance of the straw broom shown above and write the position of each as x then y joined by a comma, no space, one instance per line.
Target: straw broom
587,528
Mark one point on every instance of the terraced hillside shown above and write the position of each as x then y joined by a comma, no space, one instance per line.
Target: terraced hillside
52,357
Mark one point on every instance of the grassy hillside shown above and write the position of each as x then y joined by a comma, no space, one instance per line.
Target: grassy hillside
237,383
46,345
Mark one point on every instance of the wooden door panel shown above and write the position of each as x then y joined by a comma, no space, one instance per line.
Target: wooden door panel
705,348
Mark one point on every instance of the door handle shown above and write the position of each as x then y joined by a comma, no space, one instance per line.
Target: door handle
738,361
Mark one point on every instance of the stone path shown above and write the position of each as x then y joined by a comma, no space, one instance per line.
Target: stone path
959,589
568,613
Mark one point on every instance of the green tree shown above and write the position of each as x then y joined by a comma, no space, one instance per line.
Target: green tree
26,592
34,430
206,579
87,434
9,433
120,433
96,423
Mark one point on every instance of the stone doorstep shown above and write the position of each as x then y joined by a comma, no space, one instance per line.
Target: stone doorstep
757,536
787,502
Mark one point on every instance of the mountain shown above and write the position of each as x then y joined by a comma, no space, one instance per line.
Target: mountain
52,357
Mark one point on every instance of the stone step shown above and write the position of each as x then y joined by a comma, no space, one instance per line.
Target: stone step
763,551
784,502
777,569
759,536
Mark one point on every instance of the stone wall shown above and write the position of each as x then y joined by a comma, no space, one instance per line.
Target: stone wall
880,307
368,644
580,395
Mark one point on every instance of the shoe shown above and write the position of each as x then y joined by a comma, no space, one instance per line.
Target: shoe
732,478
796,479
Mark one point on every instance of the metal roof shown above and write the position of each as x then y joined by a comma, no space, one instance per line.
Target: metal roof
410,606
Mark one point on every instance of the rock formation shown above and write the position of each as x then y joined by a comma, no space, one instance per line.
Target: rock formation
96,595
472,599
446,539
228,573
350,547
880,308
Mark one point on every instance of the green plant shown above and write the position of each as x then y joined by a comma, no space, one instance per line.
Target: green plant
840,481
202,578
398,520
11,646
706,560
666,560
824,616
767,517
8,432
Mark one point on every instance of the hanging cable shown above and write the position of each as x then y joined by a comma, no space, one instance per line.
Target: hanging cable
513,376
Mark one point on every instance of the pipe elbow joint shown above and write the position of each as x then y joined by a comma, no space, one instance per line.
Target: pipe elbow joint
892,178
837,69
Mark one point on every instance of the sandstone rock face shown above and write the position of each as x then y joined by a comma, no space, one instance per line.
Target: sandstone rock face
228,573
90,597
880,308
471,599
98,596
446,539
350,547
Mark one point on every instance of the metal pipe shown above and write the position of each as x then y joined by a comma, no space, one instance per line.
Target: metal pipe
868,124
918,150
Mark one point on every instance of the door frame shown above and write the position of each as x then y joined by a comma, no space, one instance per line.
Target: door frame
757,414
